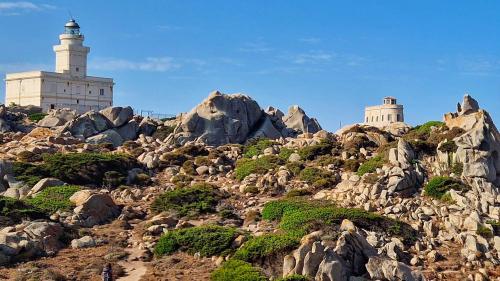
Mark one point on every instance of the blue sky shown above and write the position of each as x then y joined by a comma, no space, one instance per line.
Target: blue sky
331,57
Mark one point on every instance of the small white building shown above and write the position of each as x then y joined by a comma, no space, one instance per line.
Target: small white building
385,114
67,87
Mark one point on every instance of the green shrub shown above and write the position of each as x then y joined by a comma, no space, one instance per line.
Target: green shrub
266,245
285,153
317,177
295,168
298,193
425,129
312,151
371,165
371,178
202,161
495,225
246,166
163,132
181,180
35,117
86,168
55,198
208,240
251,189
351,165
484,231
438,186
113,179
457,168
29,173
173,158
17,210
256,147
325,160
448,147
236,270
189,201
446,198
189,168
28,156
294,277
298,217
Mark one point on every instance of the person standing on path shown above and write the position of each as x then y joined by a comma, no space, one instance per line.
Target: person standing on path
107,273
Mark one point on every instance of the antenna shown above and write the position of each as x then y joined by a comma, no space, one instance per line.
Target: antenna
70,15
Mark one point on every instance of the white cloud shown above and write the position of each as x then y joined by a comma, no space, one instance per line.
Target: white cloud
310,40
18,8
313,57
256,47
154,64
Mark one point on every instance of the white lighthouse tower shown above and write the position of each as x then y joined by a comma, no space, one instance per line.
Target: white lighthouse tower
71,55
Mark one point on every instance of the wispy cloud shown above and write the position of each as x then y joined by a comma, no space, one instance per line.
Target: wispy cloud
153,64
19,8
480,66
310,40
313,57
256,47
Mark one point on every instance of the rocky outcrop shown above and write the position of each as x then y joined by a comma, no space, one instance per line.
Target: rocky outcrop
57,117
93,208
235,118
478,149
118,115
297,119
28,240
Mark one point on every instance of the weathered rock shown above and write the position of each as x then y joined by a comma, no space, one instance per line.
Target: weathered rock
385,269
108,136
297,119
93,208
84,242
57,117
118,115
44,183
4,126
129,131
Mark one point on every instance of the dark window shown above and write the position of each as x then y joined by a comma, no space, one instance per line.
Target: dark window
77,101
52,106
398,118
101,92
77,69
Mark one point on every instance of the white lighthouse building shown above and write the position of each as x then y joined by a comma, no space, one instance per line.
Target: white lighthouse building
67,87
384,114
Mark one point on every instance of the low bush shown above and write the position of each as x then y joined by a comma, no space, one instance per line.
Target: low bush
55,198
189,168
17,210
113,179
371,178
251,189
35,117
495,225
325,160
202,161
438,186
256,147
266,245
298,193
285,153
448,147
189,201
295,168
29,173
173,158
351,165
317,177
262,165
181,180
237,270
298,217
457,168
371,165
294,277
312,151
208,240
163,132
484,231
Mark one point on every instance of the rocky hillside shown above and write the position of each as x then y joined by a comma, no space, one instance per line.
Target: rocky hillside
230,191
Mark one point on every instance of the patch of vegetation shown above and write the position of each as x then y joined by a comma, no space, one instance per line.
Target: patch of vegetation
457,168
189,168
17,210
446,198
28,156
295,168
317,177
54,198
312,151
208,240
163,132
251,189
495,225
438,186
351,165
371,178
181,180
86,168
202,161
29,173
189,201
237,270
371,165
484,231
426,128
294,277
113,179
325,160
262,165
173,158
35,117
266,245
256,147
298,193
297,217
448,147
285,153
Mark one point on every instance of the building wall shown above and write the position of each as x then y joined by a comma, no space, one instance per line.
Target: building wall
383,115
55,90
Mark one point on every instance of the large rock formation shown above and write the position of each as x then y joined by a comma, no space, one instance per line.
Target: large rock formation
479,147
222,119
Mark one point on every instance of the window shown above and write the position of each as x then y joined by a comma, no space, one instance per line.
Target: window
389,117
377,118
382,118
90,92
366,119
101,92
77,101
398,118
77,69
372,118
52,106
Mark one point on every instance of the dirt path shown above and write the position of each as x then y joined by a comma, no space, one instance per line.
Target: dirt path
134,267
